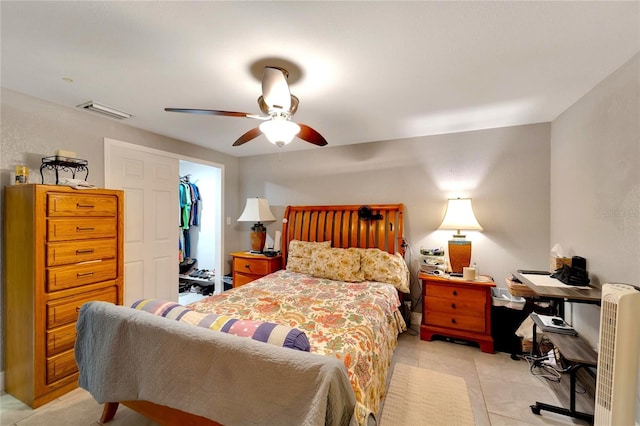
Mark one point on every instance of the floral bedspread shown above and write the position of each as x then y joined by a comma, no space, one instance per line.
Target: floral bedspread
357,323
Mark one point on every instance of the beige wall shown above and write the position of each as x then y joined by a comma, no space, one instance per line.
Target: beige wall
505,171
595,186
33,128
574,181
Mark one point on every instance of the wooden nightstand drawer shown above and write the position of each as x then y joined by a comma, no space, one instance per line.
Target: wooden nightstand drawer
456,321
242,279
250,266
247,267
456,292
81,205
455,306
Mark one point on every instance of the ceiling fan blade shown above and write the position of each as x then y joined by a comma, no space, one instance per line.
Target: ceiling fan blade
275,88
214,112
308,134
251,134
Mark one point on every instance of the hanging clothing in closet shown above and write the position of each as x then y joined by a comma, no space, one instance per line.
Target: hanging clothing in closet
189,214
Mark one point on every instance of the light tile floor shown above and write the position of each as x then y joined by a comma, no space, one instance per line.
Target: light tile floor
501,390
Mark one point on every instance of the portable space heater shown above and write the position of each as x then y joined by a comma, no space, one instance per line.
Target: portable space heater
618,352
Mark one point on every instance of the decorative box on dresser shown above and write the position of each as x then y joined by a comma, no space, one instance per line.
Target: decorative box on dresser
457,308
247,267
63,248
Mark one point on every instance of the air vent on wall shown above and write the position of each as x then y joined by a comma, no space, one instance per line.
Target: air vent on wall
105,110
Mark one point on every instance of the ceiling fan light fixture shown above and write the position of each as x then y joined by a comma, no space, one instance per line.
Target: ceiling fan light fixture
279,131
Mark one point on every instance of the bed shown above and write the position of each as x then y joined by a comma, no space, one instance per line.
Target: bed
350,314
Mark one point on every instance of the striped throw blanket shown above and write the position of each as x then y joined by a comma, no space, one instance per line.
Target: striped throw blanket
267,332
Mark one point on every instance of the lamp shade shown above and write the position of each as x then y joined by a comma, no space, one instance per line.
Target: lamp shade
256,210
459,216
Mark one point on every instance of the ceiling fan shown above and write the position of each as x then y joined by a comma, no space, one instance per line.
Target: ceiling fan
278,106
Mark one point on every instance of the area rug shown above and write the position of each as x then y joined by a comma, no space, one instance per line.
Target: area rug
418,396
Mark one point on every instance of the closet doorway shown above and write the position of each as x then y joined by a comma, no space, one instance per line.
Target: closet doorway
200,240
150,179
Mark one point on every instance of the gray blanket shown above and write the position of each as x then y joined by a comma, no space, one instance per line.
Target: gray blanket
125,354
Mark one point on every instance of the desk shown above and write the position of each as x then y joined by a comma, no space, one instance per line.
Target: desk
581,355
557,295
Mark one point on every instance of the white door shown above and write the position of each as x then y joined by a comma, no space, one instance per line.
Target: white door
149,180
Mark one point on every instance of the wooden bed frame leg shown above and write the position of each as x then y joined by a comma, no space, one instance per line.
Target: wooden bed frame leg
109,411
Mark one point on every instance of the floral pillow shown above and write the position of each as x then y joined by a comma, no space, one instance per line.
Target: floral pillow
378,265
337,264
299,255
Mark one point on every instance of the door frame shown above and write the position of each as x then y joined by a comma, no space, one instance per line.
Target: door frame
219,229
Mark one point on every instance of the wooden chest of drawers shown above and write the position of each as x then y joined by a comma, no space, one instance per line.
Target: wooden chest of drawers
453,307
63,248
247,267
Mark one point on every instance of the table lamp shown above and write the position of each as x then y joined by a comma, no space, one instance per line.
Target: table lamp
459,216
257,210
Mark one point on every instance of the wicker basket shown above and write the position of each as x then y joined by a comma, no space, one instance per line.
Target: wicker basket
519,289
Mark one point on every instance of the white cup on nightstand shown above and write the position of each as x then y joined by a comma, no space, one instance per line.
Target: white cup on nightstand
469,274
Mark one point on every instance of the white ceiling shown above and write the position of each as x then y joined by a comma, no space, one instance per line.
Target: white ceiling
370,71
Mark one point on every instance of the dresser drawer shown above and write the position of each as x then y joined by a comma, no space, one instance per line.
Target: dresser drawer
65,311
452,292
61,339
66,253
80,229
456,321
454,305
81,205
61,366
251,266
61,277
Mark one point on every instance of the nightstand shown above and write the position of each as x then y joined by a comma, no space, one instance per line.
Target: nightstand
248,267
457,308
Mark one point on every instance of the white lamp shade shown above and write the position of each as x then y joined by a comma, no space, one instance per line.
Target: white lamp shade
459,216
279,131
257,210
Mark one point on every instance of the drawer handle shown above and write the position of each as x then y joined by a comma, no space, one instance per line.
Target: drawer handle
80,229
247,266
455,293
84,251
78,308
84,206
453,306
453,320
86,274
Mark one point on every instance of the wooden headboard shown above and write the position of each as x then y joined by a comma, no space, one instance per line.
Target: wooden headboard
341,225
